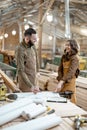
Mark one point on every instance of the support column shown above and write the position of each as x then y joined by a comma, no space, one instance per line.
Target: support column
54,41
20,31
3,41
40,15
67,20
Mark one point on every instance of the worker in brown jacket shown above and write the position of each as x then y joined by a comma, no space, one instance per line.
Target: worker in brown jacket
27,64
69,69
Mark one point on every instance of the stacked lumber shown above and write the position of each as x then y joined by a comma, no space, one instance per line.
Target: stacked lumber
52,67
46,80
52,84
41,81
81,92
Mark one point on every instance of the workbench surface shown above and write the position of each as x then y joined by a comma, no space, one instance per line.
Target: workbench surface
66,110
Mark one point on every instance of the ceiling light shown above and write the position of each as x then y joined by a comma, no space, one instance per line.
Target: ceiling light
25,20
1,37
13,32
26,26
67,36
83,31
5,35
50,37
49,17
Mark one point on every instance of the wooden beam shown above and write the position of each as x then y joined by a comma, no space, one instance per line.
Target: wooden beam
8,82
49,6
81,1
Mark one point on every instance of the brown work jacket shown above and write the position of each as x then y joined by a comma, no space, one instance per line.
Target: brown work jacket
68,71
27,66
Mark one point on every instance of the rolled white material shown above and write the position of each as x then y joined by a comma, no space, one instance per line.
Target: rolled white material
42,123
39,109
32,109
16,104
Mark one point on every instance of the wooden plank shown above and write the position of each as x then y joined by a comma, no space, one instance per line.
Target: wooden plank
81,82
81,90
9,83
66,109
81,94
81,104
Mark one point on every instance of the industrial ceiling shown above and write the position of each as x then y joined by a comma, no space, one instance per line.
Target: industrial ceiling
12,11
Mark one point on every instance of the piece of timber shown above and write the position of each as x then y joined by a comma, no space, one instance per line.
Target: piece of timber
81,82
8,81
66,109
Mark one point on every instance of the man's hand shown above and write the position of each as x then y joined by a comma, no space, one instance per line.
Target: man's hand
35,89
17,90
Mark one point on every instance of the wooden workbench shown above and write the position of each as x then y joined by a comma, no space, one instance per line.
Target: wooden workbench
66,110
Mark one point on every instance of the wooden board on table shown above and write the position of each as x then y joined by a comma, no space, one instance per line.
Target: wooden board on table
66,109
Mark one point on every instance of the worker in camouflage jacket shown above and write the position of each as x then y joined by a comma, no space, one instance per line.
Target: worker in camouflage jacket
27,63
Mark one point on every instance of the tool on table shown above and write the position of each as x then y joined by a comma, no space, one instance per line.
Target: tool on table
66,94
65,101
50,110
3,89
11,97
79,121
57,99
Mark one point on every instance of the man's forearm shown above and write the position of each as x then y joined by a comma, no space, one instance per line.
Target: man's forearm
26,79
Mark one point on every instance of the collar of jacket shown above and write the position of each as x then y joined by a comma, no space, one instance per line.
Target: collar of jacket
26,45
67,56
